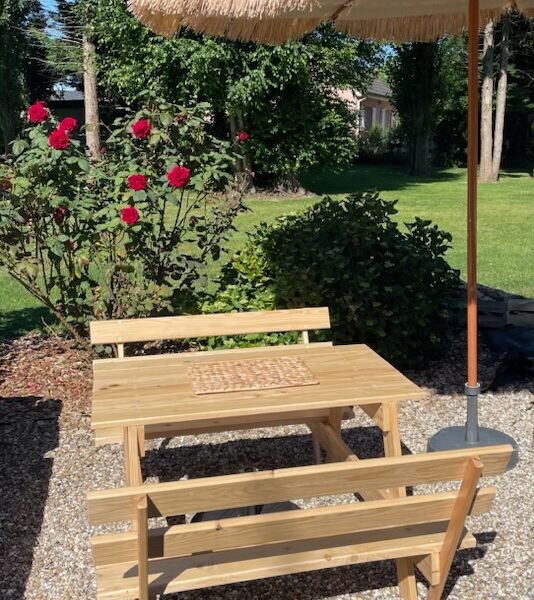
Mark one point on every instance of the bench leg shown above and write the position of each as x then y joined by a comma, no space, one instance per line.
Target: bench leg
141,510
455,528
406,578
141,440
132,464
316,448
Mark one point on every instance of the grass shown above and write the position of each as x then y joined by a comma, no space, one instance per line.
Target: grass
506,238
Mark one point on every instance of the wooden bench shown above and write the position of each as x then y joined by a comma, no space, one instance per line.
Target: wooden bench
128,331
420,531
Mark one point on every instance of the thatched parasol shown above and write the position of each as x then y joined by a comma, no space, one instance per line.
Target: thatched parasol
274,21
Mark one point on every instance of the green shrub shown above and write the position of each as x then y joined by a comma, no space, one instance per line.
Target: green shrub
245,286
387,287
127,236
381,146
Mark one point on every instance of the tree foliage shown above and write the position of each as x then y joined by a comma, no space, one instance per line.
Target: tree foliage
284,96
23,72
413,73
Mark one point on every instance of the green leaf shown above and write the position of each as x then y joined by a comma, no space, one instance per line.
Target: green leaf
19,146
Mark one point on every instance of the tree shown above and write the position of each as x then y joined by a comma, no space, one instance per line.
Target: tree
23,72
282,95
413,74
518,146
74,58
492,134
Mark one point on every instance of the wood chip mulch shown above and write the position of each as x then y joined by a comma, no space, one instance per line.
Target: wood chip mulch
48,369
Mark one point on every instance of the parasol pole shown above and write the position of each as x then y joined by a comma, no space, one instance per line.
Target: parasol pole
472,435
472,386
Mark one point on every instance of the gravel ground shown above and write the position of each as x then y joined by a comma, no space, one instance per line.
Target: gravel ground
49,462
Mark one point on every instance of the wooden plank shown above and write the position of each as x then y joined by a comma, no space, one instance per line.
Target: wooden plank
121,547
231,566
142,545
246,489
525,319
517,304
195,326
112,365
113,435
461,510
313,523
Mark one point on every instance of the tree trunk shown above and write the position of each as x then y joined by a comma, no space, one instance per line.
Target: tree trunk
502,88
486,108
92,118
247,162
421,163
8,126
423,105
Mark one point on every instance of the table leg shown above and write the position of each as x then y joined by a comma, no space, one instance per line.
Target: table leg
335,416
392,447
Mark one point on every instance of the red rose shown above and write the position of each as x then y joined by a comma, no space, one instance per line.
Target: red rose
129,215
179,176
137,182
37,113
60,213
58,139
141,128
242,136
180,119
68,125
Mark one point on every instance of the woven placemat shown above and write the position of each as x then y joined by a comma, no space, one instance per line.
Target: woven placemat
250,374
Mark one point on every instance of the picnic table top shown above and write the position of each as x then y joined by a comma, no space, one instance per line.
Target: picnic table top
156,389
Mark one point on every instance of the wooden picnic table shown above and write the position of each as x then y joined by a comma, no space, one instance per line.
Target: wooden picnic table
143,397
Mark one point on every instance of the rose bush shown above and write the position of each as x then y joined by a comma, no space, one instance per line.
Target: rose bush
128,236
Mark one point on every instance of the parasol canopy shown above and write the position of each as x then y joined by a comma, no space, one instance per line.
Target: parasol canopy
274,21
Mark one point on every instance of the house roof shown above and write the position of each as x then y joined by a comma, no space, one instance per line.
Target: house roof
379,88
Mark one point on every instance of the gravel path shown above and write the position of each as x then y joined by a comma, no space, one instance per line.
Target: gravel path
49,462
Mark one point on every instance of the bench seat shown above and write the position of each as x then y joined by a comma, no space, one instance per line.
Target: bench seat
119,581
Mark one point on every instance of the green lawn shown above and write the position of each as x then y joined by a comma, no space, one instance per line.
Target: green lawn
506,219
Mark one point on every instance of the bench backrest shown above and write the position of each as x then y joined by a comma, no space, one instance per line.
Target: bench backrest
248,489
122,331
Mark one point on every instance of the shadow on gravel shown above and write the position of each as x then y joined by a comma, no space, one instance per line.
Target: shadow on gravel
28,432
261,454
461,566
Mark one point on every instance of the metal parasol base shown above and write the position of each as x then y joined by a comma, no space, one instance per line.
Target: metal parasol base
472,435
